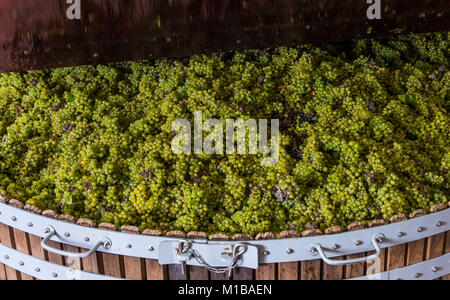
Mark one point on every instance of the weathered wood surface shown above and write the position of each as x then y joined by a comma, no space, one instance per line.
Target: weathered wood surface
266,271
134,266
333,272
356,270
7,239
112,264
38,33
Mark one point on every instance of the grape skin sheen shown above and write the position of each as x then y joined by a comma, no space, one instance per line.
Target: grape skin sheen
364,135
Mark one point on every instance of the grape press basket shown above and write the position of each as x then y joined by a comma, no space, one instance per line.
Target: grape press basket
52,33
44,245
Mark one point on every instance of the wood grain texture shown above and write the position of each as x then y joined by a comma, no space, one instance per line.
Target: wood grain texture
243,273
266,271
447,250
134,266
23,245
376,265
112,264
7,239
356,270
2,272
415,251
310,269
195,272
333,272
155,271
176,272
38,34
288,271
92,263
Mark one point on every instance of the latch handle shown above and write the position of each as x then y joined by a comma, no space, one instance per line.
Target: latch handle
105,242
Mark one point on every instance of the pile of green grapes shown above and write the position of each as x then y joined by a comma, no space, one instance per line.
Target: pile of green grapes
365,134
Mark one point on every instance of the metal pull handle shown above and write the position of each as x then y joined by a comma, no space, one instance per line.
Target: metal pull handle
376,241
105,242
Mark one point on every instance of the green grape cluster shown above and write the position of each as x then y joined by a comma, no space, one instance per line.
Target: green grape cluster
364,135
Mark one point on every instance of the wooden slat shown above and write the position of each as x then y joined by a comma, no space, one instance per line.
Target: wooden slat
436,243
90,264
111,265
195,272
52,257
2,272
154,270
266,271
71,262
2,266
288,270
175,270
333,272
215,276
395,256
355,270
447,250
35,241
22,244
111,262
376,265
20,238
7,239
243,273
310,269
134,266
416,249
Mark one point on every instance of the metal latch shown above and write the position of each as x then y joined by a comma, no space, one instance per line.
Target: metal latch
217,258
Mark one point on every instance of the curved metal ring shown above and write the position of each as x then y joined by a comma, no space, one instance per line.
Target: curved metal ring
376,240
105,241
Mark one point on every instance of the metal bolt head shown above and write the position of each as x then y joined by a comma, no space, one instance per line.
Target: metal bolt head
358,243
439,224
418,275
30,224
420,229
129,246
289,251
151,249
6,257
313,250
47,230
266,252
21,263
54,275
66,234
86,239
37,270
107,244
14,219
336,246
436,269
401,234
